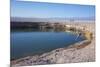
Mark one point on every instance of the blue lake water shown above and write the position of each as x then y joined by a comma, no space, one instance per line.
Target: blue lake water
25,43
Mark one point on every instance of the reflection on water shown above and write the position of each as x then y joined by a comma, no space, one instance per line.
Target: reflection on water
25,42
38,30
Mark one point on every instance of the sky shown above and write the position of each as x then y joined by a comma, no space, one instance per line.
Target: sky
50,10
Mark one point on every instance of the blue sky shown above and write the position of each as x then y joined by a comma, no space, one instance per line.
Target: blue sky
50,10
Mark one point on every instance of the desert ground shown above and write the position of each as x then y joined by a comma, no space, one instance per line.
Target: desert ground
80,52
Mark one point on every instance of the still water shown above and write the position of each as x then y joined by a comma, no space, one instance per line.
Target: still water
31,42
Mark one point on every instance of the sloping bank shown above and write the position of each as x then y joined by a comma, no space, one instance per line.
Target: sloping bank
79,52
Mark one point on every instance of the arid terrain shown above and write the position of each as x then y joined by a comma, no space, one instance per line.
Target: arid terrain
83,51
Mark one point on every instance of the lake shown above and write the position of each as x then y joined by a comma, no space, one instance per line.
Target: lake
29,42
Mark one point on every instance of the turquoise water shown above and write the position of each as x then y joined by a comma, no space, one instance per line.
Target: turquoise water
32,42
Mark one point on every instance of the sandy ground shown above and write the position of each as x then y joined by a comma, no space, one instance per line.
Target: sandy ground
63,55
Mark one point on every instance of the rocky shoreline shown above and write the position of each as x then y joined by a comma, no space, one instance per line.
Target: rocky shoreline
83,51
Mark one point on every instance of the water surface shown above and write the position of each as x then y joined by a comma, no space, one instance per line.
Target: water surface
32,42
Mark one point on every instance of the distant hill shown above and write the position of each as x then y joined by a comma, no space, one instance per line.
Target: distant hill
21,19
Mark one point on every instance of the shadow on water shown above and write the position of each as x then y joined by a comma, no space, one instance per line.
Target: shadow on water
37,30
